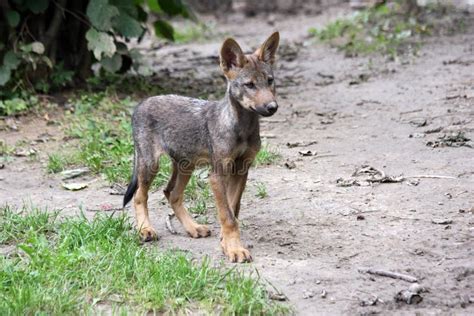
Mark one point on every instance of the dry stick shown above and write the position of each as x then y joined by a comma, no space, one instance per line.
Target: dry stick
324,155
389,274
427,176
412,111
114,209
169,225
274,121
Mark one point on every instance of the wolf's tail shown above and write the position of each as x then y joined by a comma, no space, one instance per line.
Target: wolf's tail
132,187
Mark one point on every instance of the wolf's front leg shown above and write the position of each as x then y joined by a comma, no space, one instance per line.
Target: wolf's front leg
230,234
237,181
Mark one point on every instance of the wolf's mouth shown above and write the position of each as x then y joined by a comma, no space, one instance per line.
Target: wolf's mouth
262,112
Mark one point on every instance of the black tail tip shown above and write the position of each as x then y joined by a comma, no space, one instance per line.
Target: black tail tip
132,187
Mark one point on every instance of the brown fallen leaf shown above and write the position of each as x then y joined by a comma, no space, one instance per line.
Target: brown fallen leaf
74,186
440,221
306,153
290,164
25,152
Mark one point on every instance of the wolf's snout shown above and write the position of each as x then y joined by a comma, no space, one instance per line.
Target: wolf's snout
272,107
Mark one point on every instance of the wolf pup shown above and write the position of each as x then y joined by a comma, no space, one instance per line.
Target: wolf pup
224,134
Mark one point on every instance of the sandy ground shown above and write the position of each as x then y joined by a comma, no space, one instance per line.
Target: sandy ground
311,235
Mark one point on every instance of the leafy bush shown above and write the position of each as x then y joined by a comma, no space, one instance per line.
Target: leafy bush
50,44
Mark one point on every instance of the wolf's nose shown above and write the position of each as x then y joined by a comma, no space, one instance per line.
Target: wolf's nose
272,107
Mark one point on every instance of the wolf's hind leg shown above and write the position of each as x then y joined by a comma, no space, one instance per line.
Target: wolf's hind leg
146,172
175,194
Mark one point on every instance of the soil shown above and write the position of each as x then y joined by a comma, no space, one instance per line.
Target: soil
311,235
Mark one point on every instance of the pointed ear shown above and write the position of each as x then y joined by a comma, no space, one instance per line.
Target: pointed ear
267,51
231,55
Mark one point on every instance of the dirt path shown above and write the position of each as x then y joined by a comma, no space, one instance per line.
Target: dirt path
311,235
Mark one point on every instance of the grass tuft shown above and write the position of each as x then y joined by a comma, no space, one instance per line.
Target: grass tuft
17,225
267,156
390,29
56,163
192,32
261,190
81,266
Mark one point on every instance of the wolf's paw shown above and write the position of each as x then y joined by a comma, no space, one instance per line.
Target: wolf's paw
235,252
199,231
148,234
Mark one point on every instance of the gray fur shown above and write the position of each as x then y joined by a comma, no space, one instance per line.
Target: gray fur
194,132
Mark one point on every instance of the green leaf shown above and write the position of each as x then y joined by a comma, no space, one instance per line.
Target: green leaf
154,6
47,61
5,74
37,47
13,17
100,13
164,29
126,6
142,15
176,7
27,249
144,70
127,26
74,186
112,64
10,60
100,43
37,6
172,7
122,48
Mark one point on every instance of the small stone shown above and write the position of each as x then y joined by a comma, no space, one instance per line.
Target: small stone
323,293
308,294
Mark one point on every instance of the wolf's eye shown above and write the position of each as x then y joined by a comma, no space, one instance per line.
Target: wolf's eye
250,85
270,81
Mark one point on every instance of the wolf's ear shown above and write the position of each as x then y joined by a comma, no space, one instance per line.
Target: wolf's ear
266,52
231,55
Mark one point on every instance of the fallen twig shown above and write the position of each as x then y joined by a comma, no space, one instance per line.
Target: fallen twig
300,144
374,175
428,176
274,121
169,225
389,274
112,209
324,155
412,111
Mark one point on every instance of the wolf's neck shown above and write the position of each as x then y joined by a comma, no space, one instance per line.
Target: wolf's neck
235,116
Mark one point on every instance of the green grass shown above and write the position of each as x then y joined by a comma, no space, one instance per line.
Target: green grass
198,192
267,156
80,266
56,163
17,105
17,225
383,29
261,190
191,32
5,149
102,127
